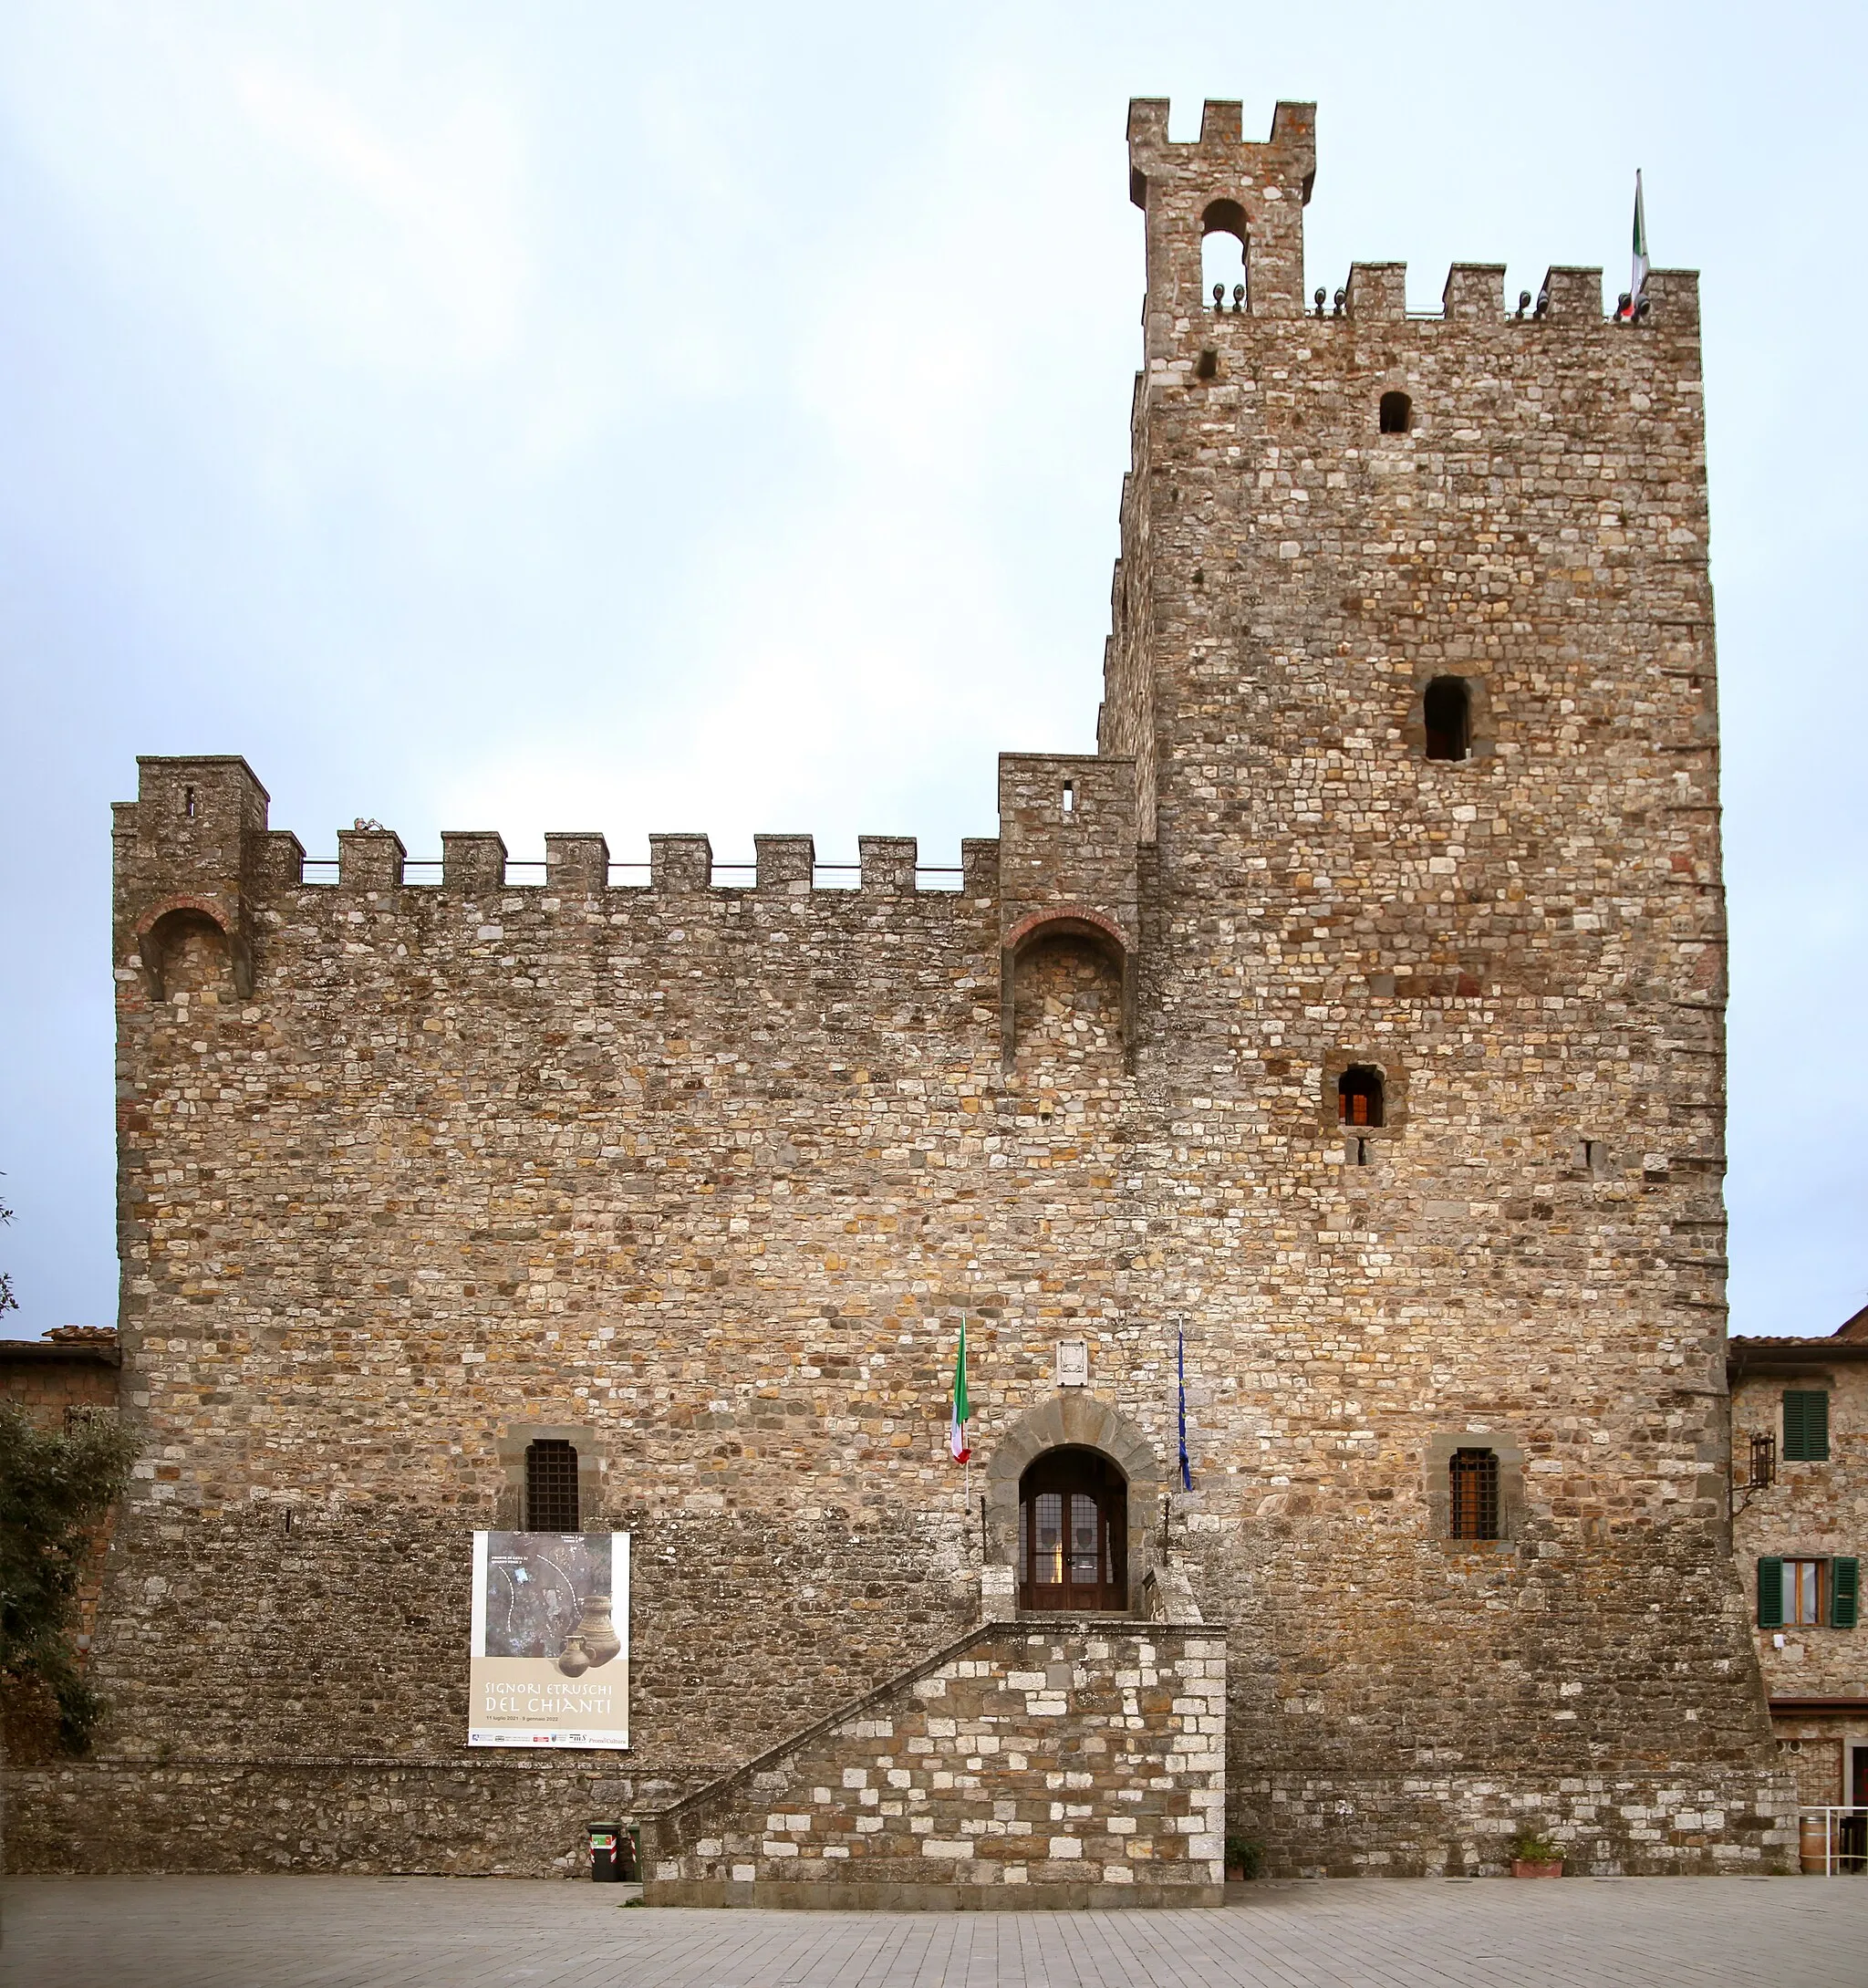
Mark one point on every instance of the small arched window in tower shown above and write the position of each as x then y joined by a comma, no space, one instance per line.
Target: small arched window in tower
1446,713
1397,414
1223,262
1473,1494
551,1486
1359,1096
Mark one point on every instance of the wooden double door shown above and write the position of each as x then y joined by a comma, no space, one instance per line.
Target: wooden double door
1072,1533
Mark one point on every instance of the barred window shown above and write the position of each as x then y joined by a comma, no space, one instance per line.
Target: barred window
551,1486
1763,1461
1473,1482
1359,1096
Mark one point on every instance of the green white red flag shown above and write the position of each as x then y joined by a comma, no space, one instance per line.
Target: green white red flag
1637,280
957,1426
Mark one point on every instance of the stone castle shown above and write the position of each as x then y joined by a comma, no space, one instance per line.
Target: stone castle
1353,1018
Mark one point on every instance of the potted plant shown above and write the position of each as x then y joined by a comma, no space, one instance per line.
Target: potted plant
1243,1859
1533,1855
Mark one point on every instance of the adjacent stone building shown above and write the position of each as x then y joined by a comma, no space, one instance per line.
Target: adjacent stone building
1351,1020
1800,1532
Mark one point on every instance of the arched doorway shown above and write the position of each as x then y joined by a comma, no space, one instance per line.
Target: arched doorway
1072,1533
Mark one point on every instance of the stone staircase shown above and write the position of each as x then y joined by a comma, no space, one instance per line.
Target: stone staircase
1061,1761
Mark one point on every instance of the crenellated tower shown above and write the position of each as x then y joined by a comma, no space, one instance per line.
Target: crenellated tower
1412,649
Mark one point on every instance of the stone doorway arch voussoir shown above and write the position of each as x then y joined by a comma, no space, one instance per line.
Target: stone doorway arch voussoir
1075,1419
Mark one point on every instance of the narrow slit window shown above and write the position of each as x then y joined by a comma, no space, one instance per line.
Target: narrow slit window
1359,1096
1070,796
1473,1486
1396,413
1446,709
551,1486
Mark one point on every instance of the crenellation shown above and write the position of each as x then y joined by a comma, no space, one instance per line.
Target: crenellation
785,863
576,865
473,862
888,863
1474,291
679,864
1571,293
369,860
1376,292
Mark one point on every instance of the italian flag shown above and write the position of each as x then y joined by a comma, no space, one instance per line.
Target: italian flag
1637,280
956,1427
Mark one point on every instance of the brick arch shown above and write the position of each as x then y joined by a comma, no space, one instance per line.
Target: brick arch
1050,920
1077,918
151,948
1075,1419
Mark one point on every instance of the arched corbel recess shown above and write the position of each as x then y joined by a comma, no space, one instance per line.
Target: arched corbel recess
1054,920
1076,1419
166,921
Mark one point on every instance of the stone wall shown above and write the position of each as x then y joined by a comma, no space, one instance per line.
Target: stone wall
471,1817
1062,1764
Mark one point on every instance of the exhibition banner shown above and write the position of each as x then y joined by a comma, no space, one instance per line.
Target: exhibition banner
550,1655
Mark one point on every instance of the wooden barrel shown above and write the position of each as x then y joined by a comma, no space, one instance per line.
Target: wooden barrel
1812,1842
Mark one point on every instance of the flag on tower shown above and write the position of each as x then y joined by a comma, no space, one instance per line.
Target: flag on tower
956,1427
1180,1373
1637,278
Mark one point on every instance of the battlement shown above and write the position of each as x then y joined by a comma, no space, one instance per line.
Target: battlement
198,866
1255,193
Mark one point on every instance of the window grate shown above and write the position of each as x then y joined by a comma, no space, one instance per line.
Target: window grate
1763,1464
551,1486
1359,1096
1473,1480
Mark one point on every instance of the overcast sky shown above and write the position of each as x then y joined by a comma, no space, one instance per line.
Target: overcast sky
627,418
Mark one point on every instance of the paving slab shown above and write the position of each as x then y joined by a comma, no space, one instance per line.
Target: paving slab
492,1933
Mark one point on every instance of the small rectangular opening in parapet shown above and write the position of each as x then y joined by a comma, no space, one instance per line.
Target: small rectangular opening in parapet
939,877
734,876
425,874
320,870
836,876
530,872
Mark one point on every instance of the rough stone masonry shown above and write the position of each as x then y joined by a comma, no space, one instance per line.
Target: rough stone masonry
1354,1013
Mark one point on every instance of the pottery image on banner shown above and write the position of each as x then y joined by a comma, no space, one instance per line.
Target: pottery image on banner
597,1632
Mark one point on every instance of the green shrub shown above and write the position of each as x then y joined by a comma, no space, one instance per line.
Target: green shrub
55,1485
1244,1855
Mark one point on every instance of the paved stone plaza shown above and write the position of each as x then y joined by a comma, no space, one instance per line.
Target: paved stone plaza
439,1933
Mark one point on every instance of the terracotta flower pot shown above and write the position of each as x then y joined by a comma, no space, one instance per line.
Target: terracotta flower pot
1541,1868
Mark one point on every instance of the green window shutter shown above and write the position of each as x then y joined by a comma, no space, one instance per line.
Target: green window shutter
1844,1593
1770,1594
1806,1425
